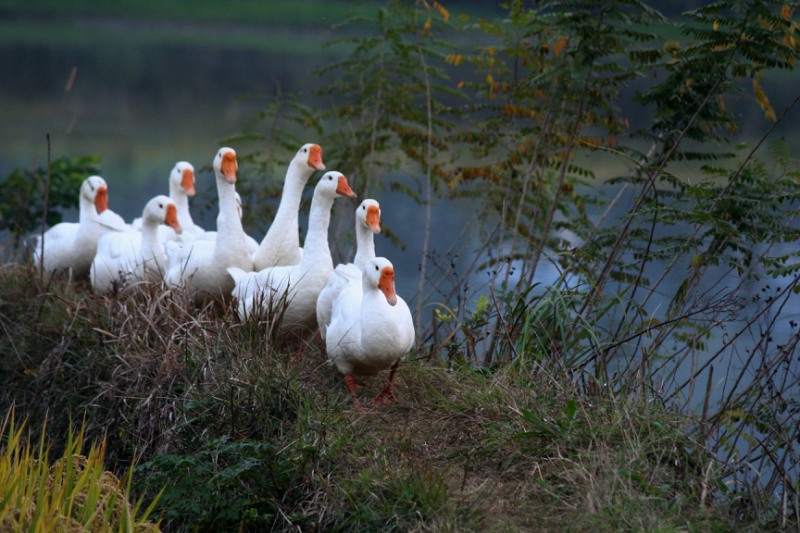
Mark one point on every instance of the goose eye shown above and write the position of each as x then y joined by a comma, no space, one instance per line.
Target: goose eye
161,206
376,267
363,207
305,150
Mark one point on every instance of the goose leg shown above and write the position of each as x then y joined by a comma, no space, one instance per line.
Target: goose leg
387,394
351,386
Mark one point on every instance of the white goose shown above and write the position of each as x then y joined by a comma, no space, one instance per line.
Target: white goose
281,244
371,328
251,243
300,284
70,246
113,222
202,265
368,223
181,188
135,255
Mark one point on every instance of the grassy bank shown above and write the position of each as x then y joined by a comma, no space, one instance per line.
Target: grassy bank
241,429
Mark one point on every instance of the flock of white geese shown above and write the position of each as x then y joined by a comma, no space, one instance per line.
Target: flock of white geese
365,325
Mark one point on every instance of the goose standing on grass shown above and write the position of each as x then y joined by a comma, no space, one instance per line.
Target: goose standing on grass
257,292
135,255
70,246
181,188
281,244
371,329
202,266
368,224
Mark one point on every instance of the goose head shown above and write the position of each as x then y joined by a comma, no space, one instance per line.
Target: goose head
95,191
162,209
333,184
225,165
309,157
369,214
379,273
181,179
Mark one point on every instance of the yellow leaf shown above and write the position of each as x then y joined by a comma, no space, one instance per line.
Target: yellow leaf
715,25
460,84
489,78
786,12
427,24
442,11
559,47
763,101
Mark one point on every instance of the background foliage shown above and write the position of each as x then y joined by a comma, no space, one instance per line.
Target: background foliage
649,385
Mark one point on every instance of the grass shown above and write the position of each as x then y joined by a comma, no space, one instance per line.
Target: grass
243,431
74,493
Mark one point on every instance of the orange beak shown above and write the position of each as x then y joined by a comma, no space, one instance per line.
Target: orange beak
171,219
315,157
386,285
374,219
187,181
343,188
101,200
228,167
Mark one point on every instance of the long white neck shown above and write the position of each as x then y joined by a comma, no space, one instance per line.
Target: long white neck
151,247
365,246
285,227
178,195
316,247
87,212
229,225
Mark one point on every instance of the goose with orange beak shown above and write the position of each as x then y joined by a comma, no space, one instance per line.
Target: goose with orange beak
71,246
371,329
281,244
201,265
181,187
368,224
296,288
127,257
